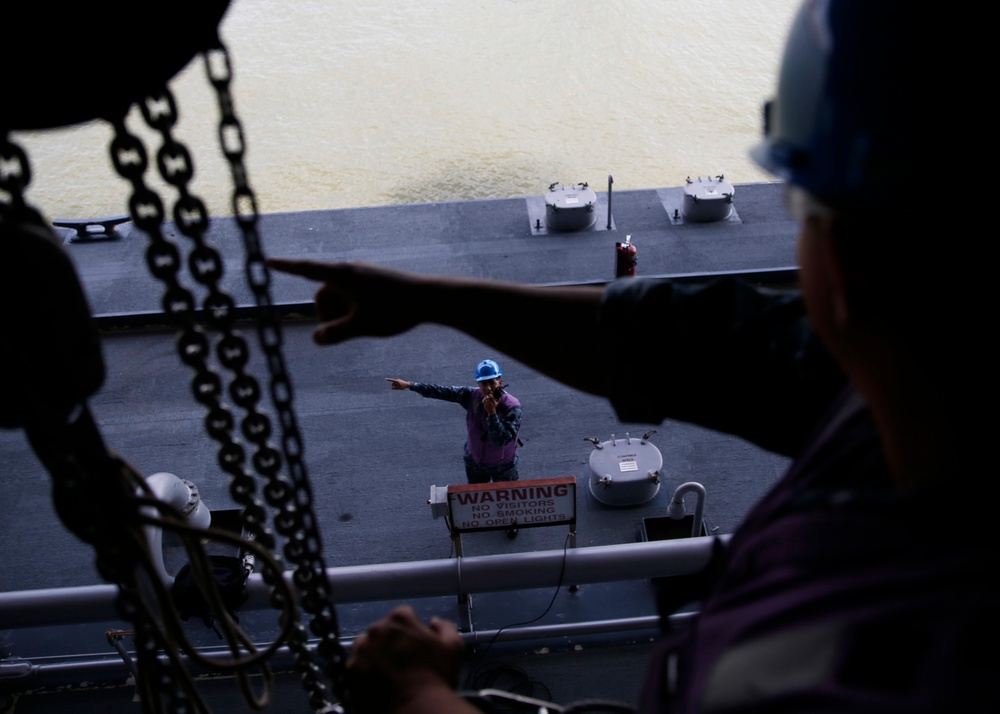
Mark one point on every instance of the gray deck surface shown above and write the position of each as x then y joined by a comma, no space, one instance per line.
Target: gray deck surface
373,454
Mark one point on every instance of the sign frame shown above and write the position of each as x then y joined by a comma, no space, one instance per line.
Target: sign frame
502,505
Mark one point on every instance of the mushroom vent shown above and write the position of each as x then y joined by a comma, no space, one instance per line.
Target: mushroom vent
708,200
624,472
570,208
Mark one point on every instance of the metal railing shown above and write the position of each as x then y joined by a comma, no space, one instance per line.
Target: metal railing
390,582
402,581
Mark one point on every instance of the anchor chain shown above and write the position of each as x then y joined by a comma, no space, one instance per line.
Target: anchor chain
291,496
310,575
92,488
15,172
15,175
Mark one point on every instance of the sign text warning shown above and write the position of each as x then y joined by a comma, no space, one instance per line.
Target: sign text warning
513,504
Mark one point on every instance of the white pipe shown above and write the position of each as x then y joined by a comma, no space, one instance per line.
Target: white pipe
676,508
403,581
98,670
182,496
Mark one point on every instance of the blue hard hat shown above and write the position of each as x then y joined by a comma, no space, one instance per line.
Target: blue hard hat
838,125
487,369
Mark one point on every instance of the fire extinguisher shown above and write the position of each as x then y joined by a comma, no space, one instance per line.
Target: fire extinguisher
625,258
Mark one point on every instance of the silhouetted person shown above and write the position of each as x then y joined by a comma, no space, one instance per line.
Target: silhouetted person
848,588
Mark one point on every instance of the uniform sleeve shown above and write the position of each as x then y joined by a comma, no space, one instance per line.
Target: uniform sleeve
503,430
724,355
458,395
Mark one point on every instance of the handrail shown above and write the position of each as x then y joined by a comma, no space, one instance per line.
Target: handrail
403,581
157,319
47,674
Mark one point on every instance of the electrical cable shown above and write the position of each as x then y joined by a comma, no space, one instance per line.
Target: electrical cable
559,583
484,677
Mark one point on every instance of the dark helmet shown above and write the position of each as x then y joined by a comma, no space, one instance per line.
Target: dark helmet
487,369
838,126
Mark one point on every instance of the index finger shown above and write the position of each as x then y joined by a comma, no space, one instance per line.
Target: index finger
445,629
311,269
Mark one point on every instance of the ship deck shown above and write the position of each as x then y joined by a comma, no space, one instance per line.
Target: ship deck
373,454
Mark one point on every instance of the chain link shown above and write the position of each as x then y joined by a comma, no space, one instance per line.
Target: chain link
163,258
92,489
296,519
290,495
15,175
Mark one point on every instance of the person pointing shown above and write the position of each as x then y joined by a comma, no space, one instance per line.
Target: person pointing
492,420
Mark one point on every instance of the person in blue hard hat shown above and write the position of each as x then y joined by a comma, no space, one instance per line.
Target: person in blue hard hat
492,420
847,588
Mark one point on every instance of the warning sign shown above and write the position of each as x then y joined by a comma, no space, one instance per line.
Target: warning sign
513,504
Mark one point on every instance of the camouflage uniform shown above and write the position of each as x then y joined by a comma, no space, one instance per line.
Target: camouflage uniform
491,444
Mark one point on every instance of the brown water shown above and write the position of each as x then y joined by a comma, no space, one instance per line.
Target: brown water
357,104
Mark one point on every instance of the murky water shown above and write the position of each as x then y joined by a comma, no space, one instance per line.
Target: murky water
355,104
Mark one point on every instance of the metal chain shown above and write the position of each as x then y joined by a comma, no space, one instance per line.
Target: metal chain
15,175
304,543
291,496
163,258
130,159
91,487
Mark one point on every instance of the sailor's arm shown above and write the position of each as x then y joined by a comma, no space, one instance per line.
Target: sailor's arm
503,429
402,666
457,395
363,300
